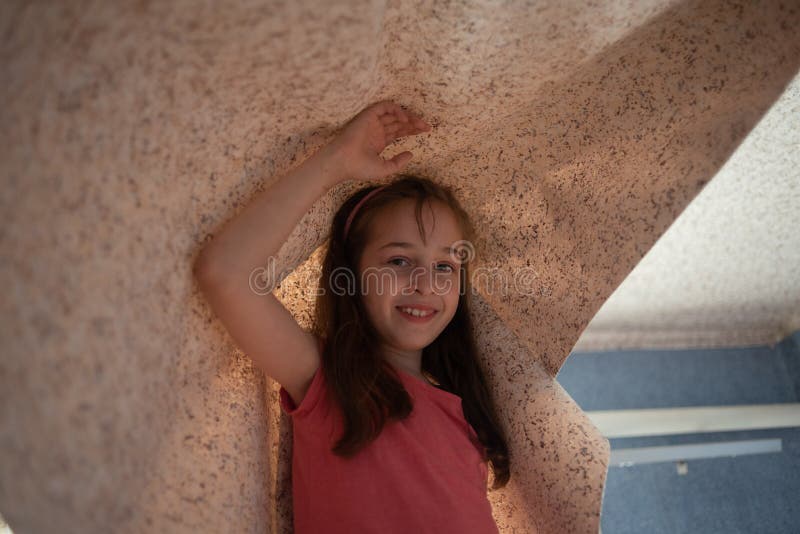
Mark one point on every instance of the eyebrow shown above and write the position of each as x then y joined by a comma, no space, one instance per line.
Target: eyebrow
403,244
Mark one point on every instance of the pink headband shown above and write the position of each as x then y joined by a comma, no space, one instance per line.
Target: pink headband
360,203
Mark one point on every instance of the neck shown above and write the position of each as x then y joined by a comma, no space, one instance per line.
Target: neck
408,361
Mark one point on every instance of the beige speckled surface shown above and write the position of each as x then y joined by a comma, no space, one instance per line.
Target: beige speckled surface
574,134
727,272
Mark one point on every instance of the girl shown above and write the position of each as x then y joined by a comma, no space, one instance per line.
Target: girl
393,422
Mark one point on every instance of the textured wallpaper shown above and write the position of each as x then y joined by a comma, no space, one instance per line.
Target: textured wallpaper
574,133
726,273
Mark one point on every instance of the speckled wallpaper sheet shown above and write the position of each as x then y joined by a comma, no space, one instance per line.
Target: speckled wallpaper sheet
573,132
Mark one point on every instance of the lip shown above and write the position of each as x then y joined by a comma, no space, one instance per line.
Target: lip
413,319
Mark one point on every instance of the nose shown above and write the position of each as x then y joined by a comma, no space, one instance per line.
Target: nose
422,280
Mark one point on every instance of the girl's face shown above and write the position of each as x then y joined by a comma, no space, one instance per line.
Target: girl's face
398,271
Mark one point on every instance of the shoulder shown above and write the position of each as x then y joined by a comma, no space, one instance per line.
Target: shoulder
300,398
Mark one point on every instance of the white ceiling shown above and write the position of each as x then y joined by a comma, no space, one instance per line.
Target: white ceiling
727,272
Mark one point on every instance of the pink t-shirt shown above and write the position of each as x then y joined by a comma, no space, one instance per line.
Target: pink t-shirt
422,474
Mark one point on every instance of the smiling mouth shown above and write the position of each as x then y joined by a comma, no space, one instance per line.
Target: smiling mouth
416,314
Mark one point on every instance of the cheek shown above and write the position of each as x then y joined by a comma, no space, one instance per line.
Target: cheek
446,285
455,294
374,308
381,286
453,299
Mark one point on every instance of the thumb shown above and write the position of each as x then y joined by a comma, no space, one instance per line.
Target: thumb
398,162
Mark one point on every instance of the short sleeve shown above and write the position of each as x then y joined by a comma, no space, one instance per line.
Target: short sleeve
311,398
309,401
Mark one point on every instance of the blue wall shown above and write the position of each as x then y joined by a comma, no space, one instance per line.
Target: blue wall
747,494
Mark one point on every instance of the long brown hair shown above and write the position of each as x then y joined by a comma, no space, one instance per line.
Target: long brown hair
366,387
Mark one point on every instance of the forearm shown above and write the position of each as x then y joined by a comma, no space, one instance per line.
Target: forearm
247,241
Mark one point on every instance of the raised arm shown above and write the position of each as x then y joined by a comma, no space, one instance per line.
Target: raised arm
258,322
247,241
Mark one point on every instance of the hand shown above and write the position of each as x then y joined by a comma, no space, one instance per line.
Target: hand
356,149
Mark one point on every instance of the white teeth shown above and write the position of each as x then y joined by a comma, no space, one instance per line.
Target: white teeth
416,313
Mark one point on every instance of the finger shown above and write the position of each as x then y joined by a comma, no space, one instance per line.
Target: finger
398,162
389,112
416,120
388,107
415,124
393,128
391,117
401,115
407,129
422,125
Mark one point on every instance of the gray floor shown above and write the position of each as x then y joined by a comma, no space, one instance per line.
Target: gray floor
747,494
